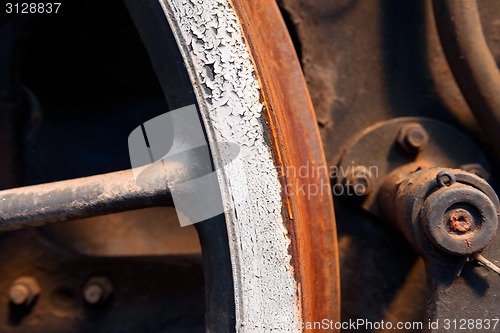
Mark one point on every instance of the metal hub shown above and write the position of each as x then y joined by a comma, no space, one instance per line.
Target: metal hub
460,220
386,146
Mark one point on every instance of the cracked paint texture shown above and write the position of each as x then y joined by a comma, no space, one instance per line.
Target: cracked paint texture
223,76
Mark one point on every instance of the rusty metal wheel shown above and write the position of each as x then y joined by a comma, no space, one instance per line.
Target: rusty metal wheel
271,263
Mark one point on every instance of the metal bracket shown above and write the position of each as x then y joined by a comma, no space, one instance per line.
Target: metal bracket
386,146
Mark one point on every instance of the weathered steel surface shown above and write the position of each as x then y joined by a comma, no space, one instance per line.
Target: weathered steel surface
367,62
379,149
155,293
471,62
84,197
294,135
89,101
422,202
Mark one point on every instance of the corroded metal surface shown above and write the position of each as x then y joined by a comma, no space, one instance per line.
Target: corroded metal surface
90,107
422,202
68,200
471,62
294,134
379,149
166,292
367,62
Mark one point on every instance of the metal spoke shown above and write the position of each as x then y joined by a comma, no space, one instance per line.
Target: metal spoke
68,200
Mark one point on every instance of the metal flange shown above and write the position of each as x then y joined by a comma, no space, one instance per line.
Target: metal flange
388,145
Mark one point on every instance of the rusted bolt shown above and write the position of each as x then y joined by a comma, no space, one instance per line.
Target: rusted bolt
97,290
412,138
358,182
460,220
24,290
476,169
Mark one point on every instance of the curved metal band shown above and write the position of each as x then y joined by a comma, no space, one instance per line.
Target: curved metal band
310,214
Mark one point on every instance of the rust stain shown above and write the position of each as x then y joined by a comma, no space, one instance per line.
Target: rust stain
460,222
277,154
294,137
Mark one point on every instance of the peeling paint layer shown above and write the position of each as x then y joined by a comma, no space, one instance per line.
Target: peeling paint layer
223,77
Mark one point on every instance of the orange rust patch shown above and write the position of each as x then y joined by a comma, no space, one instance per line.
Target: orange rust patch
294,138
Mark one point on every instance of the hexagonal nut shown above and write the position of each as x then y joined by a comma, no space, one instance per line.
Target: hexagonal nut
412,138
24,290
358,182
477,169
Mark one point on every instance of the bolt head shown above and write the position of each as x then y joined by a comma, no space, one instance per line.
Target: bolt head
24,290
358,182
412,138
93,293
460,220
97,290
19,294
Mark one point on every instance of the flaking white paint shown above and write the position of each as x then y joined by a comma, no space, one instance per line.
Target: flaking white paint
223,76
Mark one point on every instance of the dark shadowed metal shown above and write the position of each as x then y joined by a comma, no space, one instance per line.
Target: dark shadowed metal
68,200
